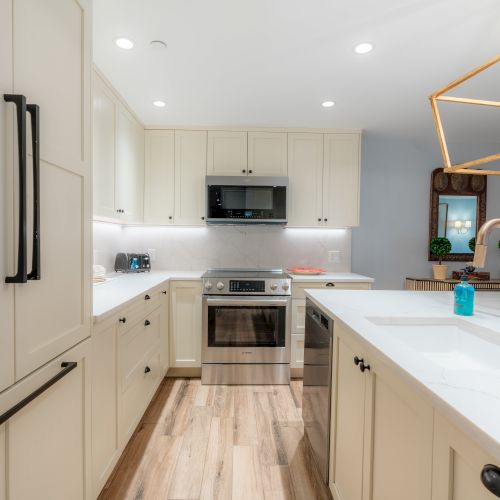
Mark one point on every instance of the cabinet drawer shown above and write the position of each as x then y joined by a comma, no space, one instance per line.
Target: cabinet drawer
298,288
140,391
297,359
136,343
138,309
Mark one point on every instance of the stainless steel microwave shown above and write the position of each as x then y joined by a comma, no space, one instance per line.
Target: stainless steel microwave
246,200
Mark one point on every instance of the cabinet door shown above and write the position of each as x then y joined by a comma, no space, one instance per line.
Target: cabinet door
185,324
159,180
103,145
105,442
190,171
129,166
297,355
7,241
164,329
398,439
305,176
457,465
49,440
298,315
341,180
348,432
53,314
267,153
227,153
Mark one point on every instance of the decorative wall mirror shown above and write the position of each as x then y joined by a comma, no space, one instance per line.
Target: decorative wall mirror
457,210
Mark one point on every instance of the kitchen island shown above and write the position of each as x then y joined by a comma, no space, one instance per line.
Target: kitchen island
416,394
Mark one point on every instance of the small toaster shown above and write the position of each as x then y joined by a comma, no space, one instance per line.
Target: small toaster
132,262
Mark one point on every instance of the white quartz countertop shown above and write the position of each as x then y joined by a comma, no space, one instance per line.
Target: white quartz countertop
338,277
460,387
120,289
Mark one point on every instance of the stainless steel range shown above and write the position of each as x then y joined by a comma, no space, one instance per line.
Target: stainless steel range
246,327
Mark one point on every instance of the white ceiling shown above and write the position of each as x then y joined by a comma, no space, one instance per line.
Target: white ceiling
272,62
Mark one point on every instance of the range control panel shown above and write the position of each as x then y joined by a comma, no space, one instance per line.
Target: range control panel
251,286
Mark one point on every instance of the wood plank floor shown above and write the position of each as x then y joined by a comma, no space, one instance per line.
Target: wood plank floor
218,442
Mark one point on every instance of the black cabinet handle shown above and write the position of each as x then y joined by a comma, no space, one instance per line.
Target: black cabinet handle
319,219
490,477
123,320
357,360
147,322
330,284
147,369
147,297
66,368
203,218
243,171
363,367
22,274
326,220
164,292
250,171
34,111
169,217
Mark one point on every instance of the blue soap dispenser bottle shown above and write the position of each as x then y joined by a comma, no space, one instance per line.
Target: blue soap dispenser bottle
464,297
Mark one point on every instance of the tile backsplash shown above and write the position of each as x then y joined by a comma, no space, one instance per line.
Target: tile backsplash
183,248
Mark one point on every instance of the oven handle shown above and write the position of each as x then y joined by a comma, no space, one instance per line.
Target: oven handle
253,301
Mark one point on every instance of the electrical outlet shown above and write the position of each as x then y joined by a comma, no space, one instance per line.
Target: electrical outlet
152,254
334,256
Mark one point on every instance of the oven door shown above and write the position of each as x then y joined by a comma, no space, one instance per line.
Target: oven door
246,330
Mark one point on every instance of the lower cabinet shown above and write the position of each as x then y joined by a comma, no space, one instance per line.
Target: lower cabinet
185,324
381,432
164,319
45,447
457,464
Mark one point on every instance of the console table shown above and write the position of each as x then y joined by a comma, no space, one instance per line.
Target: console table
432,285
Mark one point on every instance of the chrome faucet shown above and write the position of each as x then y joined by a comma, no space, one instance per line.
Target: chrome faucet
481,241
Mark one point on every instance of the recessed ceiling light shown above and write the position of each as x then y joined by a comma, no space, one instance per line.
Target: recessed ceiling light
124,43
363,48
159,104
157,44
328,104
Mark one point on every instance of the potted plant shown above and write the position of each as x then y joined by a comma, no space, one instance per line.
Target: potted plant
440,247
472,244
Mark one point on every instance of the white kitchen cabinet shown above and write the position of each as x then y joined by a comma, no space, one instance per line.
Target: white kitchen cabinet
380,430
190,171
54,73
164,329
185,324
7,267
159,182
103,148
305,177
105,439
227,153
47,443
341,180
457,465
297,351
129,167
267,153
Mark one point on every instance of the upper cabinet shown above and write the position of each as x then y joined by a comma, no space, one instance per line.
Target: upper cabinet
190,171
267,153
323,172
159,179
305,173
118,157
341,180
227,153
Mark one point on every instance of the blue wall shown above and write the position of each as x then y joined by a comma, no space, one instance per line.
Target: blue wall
392,241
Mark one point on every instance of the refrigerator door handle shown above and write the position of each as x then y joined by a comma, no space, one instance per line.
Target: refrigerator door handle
20,102
34,111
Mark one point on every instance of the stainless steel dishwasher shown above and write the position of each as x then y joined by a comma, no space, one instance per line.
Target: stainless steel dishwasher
316,397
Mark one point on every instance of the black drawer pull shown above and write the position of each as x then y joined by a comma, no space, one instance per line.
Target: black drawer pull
147,369
164,292
330,284
66,368
147,297
357,360
147,322
123,320
490,477
363,367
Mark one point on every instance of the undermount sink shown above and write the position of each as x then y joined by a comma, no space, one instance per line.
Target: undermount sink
451,343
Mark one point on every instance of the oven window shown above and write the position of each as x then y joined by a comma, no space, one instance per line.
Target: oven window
246,326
